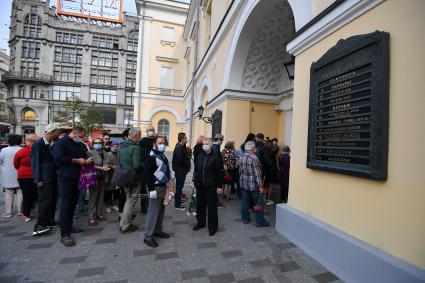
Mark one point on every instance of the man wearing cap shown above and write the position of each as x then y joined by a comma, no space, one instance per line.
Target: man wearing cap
44,176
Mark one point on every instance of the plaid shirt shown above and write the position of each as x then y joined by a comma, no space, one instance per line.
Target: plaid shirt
251,178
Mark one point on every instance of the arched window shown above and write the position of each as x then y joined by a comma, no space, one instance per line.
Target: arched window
34,92
32,26
164,128
29,115
33,20
132,40
21,91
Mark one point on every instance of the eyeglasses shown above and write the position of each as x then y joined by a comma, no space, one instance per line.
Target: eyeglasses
107,139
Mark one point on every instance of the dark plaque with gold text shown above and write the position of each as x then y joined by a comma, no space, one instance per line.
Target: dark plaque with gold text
348,115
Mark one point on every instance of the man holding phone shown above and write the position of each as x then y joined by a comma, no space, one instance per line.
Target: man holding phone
69,154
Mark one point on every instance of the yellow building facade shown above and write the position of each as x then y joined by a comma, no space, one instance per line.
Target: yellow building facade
233,56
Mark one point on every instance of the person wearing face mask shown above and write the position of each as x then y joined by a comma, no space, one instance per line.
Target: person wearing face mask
208,180
111,193
129,158
216,148
157,175
181,166
45,178
146,145
70,154
97,193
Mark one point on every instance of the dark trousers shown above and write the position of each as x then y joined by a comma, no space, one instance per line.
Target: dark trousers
121,199
47,198
69,197
284,193
246,197
144,198
29,193
207,197
180,179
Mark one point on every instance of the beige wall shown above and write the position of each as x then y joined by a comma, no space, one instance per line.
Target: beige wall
389,215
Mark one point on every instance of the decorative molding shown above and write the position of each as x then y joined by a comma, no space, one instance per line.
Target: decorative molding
167,59
205,83
331,22
162,97
157,109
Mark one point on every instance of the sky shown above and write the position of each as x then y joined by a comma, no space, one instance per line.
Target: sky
5,9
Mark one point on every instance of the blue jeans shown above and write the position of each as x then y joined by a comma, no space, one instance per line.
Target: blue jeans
69,197
259,215
180,179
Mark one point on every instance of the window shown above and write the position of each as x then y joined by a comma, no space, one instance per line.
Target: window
168,34
132,41
29,115
106,42
108,96
32,19
109,115
167,77
21,91
128,117
69,73
73,38
63,93
130,79
164,128
30,49
103,77
131,62
104,59
34,92
32,31
129,98
29,68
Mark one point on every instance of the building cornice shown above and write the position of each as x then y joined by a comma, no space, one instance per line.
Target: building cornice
328,22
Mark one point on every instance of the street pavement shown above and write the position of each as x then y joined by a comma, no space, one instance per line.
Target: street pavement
237,253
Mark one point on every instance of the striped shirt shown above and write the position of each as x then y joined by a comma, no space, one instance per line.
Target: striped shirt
251,178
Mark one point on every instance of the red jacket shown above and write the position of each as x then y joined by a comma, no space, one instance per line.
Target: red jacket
22,163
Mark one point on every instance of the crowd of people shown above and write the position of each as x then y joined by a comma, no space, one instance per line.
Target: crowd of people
63,170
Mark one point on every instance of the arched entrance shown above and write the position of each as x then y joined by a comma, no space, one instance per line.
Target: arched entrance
255,66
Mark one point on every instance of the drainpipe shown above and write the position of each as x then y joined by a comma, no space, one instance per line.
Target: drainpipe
195,65
139,70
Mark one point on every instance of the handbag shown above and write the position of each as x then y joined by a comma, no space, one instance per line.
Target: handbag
123,177
88,177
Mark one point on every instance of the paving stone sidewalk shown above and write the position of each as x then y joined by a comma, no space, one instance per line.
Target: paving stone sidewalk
237,253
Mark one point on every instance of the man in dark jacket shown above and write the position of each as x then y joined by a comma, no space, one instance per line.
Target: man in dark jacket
44,176
157,176
181,166
146,145
208,179
70,155
129,158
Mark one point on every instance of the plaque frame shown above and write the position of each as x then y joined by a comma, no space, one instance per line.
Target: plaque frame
367,50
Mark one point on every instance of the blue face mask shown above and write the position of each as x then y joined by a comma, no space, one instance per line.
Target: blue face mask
161,147
97,146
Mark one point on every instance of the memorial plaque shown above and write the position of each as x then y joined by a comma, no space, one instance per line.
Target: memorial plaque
348,114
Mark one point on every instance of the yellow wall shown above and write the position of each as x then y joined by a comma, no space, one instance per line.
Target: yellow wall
389,215
263,119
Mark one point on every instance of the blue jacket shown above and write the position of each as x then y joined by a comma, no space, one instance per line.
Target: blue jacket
64,151
42,163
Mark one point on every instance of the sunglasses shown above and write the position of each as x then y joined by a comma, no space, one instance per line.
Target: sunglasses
106,139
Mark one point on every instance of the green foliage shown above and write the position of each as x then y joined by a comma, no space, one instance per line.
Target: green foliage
92,119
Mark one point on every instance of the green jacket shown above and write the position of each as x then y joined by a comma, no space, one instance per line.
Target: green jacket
130,156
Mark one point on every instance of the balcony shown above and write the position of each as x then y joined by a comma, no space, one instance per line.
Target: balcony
165,92
31,77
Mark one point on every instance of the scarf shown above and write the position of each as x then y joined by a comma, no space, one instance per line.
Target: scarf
160,174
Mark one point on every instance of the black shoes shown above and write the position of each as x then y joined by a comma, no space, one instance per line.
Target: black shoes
67,241
261,225
197,227
212,233
75,230
40,230
151,243
162,235
52,224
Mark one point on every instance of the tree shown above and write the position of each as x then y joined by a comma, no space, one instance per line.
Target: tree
74,113
70,116
92,119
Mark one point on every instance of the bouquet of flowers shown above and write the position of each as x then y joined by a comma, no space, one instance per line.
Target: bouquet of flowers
260,204
191,208
171,189
189,152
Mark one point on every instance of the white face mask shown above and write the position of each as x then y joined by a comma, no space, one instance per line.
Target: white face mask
206,147
161,147
77,139
151,133
274,142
